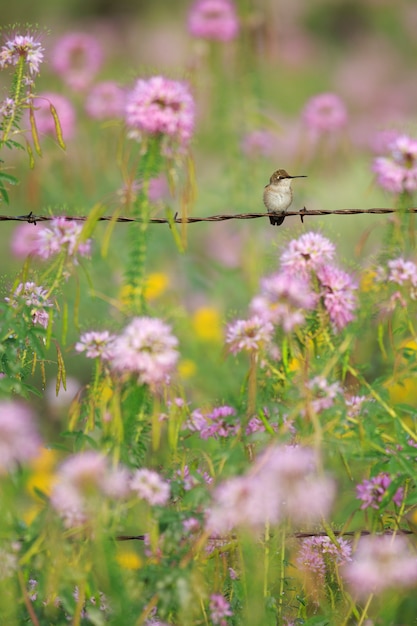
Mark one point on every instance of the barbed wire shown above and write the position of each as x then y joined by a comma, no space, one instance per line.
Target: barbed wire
31,218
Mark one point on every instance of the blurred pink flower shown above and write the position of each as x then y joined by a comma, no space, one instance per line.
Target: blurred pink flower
398,172
354,405
105,100
381,563
258,143
24,240
316,554
77,57
96,344
219,609
147,348
149,486
250,335
45,122
373,491
19,440
325,113
307,253
34,296
158,189
213,19
338,293
220,422
324,393
20,46
62,235
282,300
159,105
401,271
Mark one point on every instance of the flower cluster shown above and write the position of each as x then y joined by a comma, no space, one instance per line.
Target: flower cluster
213,19
34,296
324,393
325,113
62,235
160,106
105,101
373,491
397,172
96,344
219,609
283,483
220,422
316,554
148,485
19,440
76,58
249,335
22,46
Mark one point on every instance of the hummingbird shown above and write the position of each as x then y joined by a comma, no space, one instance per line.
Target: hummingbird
278,195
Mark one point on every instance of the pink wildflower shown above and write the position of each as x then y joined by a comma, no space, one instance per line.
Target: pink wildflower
149,486
338,295
22,46
282,299
316,554
77,57
159,106
373,491
105,101
324,393
258,143
213,19
401,271
325,113
24,240
146,348
354,405
381,563
32,295
96,344
398,171
62,235
19,441
45,122
219,609
250,335
307,254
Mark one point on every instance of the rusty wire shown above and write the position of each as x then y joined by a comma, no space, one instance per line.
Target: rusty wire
31,218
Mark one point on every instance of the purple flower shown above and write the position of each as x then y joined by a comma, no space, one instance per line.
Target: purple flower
149,486
324,393
213,19
307,254
159,105
317,553
398,171
22,46
96,344
146,348
105,101
77,57
401,271
250,335
19,441
217,423
45,122
34,296
62,234
337,290
354,405
219,609
325,112
282,300
24,240
381,563
373,491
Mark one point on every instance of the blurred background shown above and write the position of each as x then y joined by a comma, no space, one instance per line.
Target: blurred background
253,99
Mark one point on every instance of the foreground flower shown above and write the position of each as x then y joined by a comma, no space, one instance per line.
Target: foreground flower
283,300
44,119
146,348
77,57
22,46
319,553
325,112
219,609
398,171
96,344
338,293
62,235
373,491
19,441
381,563
105,101
213,19
307,253
149,486
81,482
34,296
250,335
160,106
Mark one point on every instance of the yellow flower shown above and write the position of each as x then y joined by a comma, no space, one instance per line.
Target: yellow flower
42,476
156,285
207,325
368,282
187,368
128,559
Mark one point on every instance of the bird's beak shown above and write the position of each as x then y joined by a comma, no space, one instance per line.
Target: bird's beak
301,176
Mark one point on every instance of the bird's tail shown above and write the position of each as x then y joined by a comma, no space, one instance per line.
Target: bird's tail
276,220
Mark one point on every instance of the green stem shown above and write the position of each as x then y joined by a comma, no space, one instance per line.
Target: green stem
18,82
